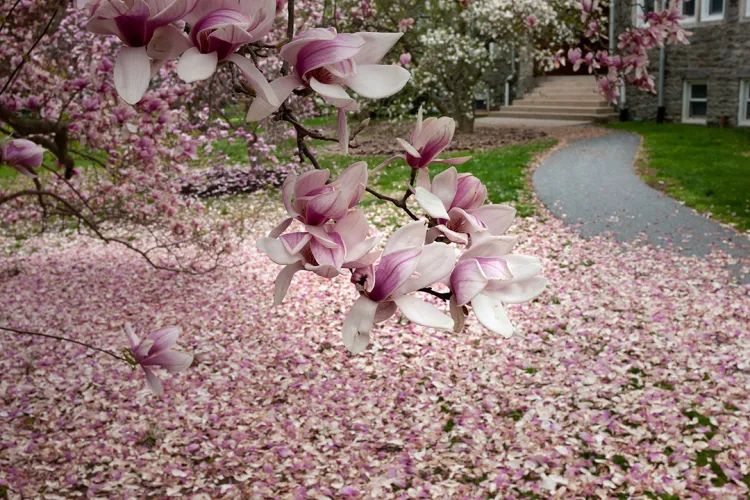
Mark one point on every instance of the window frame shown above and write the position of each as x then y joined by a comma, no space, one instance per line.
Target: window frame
687,99
743,114
694,18
706,17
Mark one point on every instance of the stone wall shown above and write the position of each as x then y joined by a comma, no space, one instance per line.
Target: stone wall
719,53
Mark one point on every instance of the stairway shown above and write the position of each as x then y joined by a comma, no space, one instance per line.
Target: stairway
562,98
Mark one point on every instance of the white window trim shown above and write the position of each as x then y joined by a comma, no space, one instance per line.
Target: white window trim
694,18
705,17
747,9
742,120
686,102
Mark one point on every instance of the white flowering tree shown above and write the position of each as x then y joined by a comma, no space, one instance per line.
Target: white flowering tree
446,42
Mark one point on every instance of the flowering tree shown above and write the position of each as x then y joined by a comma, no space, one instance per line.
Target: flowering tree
137,110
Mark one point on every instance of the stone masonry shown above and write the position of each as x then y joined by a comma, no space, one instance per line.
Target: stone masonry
719,53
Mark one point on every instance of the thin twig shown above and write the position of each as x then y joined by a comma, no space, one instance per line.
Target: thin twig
64,339
443,296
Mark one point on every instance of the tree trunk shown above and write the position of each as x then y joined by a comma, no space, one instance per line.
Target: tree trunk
465,123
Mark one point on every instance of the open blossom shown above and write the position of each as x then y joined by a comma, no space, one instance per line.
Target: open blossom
22,155
487,277
329,62
406,265
457,202
428,139
155,351
405,24
334,236
405,58
137,23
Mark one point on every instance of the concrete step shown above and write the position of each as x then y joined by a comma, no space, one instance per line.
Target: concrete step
567,85
546,115
587,110
556,92
538,101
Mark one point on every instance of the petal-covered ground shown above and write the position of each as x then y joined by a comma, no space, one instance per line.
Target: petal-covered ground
630,379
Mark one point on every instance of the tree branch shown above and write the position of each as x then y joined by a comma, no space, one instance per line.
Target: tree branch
64,339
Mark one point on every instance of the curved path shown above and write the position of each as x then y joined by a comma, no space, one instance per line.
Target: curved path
592,182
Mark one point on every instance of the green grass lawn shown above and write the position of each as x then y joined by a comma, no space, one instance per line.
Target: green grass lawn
707,168
503,170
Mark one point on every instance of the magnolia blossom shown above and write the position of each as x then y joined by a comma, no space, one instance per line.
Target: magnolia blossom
156,351
405,58
406,266
22,155
329,62
334,237
217,30
457,202
137,23
428,139
487,277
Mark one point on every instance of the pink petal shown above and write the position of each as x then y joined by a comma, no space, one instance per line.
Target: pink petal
444,186
343,129
282,88
168,42
437,262
153,382
334,94
497,218
310,181
431,204
332,205
256,79
326,256
517,293
467,281
393,271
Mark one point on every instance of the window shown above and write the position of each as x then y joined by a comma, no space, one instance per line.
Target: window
747,8
712,10
689,8
695,102
744,115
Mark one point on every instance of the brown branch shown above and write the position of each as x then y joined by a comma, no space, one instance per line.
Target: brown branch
28,53
443,296
64,339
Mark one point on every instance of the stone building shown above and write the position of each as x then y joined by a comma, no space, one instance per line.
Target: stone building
708,81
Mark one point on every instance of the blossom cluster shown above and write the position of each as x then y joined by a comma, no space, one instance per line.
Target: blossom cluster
326,234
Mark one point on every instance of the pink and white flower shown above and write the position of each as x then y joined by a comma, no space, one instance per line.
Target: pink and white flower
428,139
457,202
155,351
137,23
487,277
22,155
406,266
329,62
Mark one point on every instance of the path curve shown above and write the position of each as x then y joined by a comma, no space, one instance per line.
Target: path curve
592,182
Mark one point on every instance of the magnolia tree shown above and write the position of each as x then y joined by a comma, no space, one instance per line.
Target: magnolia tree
134,105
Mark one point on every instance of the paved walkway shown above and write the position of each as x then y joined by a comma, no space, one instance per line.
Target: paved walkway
592,182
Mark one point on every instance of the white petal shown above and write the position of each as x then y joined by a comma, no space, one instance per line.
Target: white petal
422,313
358,323
132,73
168,42
409,148
256,79
376,46
411,235
283,280
195,66
437,262
334,94
423,179
376,81
493,247
497,218
517,293
153,382
431,204
492,315
283,88
444,186
522,267
276,251
361,249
